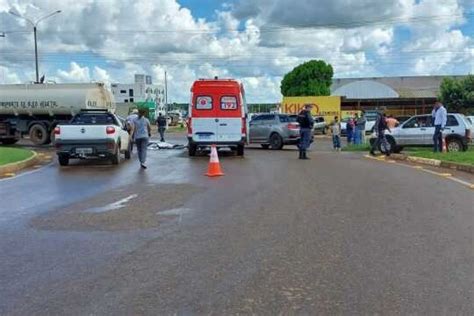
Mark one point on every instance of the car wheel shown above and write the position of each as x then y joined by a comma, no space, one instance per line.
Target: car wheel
39,134
192,148
116,156
390,145
240,150
265,146
63,160
276,142
454,145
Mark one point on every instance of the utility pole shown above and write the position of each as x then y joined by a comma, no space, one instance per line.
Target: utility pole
166,92
34,24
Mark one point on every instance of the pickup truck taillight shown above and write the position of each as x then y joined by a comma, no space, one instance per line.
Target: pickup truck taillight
57,130
110,130
244,127
293,126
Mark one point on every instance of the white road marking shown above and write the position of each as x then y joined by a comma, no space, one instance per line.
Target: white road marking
112,206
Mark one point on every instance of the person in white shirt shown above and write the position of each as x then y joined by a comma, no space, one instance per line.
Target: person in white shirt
440,117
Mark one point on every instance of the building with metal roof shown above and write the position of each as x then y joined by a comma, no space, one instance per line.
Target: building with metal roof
401,95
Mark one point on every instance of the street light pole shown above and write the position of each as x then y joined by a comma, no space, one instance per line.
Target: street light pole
36,55
35,24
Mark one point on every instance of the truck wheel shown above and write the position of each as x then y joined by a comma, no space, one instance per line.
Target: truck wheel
39,134
9,141
276,142
116,157
240,150
63,160
192,148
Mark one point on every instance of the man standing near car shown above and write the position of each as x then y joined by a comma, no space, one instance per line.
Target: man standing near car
440,116
360,128
129,123
306,122
141,134
161,124
380,127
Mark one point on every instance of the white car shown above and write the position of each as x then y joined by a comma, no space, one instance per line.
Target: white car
419,131
92,134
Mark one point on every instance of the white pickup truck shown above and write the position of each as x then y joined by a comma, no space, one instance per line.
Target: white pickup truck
92,134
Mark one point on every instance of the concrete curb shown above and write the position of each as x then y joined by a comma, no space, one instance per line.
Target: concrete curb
435,163
16,166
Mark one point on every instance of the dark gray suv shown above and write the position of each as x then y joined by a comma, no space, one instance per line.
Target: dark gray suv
274,130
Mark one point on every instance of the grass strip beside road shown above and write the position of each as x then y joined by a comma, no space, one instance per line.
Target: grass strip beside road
9,155
364,147
463,157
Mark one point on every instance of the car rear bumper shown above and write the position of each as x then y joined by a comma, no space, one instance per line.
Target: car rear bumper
217,143
93,148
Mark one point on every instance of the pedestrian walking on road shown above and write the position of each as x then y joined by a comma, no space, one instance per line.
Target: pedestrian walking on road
161,124
306,122
350,129
141,134
440,116
380,127
360,129
336,134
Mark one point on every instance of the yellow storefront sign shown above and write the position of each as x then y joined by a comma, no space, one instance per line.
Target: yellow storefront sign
328,107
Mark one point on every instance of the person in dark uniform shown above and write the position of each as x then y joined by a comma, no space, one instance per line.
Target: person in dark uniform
306,122
380,127
161,124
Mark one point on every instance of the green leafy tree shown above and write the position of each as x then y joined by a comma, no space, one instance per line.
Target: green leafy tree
458,95
313,78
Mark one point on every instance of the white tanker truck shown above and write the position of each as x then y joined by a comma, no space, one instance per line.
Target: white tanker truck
36,109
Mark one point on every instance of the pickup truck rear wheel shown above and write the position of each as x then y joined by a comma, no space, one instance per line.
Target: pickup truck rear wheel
63,160
116,157
240,150
39,134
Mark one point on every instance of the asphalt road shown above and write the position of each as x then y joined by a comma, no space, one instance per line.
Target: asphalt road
339,234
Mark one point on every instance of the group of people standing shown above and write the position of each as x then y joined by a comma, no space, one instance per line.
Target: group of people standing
356,129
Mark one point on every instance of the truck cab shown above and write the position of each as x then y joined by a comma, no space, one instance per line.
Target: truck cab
217,115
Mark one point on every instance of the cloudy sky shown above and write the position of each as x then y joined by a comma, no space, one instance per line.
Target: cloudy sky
257,41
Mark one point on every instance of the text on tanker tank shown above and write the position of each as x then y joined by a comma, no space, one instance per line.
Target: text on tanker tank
29,104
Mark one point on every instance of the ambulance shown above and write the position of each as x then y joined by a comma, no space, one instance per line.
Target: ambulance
217,115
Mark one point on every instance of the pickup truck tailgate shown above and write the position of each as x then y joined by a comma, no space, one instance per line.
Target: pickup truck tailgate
82,132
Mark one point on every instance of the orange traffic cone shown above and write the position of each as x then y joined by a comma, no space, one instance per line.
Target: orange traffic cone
214,169
445,149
